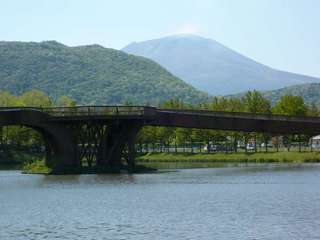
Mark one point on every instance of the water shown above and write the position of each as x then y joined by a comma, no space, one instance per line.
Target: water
256,202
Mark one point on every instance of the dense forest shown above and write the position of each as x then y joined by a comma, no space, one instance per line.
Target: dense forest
161,138
89,74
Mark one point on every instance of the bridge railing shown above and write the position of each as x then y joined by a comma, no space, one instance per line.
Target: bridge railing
79,111
262,116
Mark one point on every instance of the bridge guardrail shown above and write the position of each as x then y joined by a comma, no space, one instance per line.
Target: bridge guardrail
262,116
82,111
96,111
79,111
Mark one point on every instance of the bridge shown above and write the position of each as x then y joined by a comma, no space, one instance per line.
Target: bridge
105,135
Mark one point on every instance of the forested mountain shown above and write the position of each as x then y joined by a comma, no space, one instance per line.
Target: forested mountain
212,67
89,74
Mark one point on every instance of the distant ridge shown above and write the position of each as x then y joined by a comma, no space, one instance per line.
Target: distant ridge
212,67
309,91
90,74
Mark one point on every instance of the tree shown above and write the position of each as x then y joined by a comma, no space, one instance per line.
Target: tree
313,110
291,105
36,98
8,100
65,101
255,102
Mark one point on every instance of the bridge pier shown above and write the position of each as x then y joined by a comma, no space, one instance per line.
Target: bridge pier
118,146
60,151
96,146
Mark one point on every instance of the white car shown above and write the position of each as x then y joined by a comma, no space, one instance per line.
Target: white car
250,147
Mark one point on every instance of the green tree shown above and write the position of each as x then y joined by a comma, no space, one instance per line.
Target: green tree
291,105
36,98
65,101
255,102
313,110
8,100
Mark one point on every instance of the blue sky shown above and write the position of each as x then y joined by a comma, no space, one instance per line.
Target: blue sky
284,34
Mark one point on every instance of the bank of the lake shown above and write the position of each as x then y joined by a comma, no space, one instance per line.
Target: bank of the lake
36,167
270,157
151,161
39,167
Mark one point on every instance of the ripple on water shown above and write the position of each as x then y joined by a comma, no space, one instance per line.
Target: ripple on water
226,203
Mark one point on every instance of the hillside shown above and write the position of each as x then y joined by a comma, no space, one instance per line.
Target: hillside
310,92
212,67
90,74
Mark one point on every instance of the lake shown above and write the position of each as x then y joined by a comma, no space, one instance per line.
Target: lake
244,202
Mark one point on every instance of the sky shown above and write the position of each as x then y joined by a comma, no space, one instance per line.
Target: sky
283,34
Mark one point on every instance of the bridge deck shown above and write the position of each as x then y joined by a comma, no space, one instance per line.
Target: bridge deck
88,112
246,122
202,119
243,115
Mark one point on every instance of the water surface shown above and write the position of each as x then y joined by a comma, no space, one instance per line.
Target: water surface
246,202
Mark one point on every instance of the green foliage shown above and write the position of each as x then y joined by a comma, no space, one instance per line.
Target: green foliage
274,157
291,105
35,98
65,101
309,91
36,167
255,102
89,74
20,135
7,100
313,110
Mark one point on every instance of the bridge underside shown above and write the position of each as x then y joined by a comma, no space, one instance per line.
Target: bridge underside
99,146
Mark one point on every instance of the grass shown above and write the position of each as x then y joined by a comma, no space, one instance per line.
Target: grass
271,157
37,167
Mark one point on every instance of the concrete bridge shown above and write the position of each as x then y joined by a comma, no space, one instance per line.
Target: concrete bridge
104,135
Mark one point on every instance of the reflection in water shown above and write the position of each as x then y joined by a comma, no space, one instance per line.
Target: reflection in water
89,179
245,202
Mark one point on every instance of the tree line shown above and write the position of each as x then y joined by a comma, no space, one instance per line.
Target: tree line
162,139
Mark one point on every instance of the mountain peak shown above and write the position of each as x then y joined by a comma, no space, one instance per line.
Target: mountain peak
189,37
185,35
211,66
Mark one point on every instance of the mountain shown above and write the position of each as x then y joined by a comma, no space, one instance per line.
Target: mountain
212,67
90,74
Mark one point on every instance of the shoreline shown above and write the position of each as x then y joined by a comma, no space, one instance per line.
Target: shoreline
151,162
270,157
